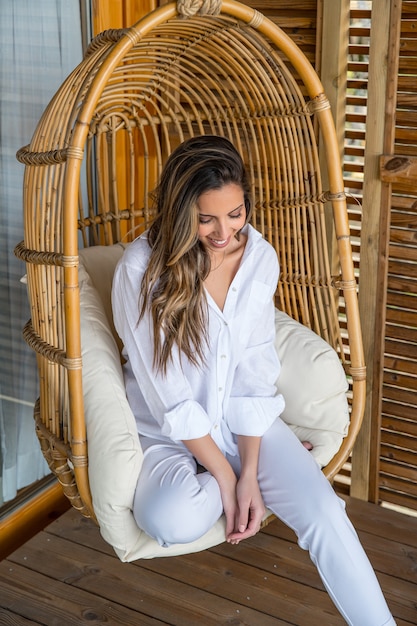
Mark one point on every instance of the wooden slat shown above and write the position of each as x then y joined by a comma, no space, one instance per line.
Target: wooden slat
402,285
399,169
399,423
394,484
389,466
403,253
401,333
11,619
392,409
394,364
405,219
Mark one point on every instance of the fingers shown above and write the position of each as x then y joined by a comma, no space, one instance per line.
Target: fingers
245,529
242,522
235,538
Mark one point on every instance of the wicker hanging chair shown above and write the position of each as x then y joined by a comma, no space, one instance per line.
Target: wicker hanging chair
97,153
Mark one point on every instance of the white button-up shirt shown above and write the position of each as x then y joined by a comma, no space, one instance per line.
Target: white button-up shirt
234,392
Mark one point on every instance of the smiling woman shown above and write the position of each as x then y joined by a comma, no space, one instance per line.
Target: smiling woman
202,380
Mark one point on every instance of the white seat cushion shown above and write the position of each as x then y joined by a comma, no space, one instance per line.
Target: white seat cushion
312,382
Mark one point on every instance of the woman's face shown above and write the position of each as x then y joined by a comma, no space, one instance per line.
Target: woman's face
222,214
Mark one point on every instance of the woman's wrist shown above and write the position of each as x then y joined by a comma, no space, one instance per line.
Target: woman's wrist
249,455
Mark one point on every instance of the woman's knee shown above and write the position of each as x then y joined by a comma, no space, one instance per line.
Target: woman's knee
170,514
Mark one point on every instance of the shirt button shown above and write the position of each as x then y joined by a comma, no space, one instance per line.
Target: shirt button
216,426
220,388
222,356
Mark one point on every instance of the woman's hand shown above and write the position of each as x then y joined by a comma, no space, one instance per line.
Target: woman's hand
250,505
250,510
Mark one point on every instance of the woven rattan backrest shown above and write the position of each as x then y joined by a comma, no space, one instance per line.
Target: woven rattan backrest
98,151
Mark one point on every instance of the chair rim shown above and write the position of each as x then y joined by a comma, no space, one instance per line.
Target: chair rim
75,154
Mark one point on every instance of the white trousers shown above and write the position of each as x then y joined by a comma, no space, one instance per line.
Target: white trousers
175,504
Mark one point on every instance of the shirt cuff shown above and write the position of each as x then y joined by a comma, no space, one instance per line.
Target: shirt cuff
187,420
253,416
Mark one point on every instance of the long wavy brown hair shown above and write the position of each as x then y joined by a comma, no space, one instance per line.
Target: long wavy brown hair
173,284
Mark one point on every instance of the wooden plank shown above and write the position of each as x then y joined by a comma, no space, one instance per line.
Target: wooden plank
391,409
162,595
402,396
8,618
401,333
404,253
373,233
403,447
410,9
404,215
406,318
399,169
388,466
396,424
398,379
119,14
404,203
401,300
405,235
401,268
44,600
395,364
384,523
282,5
402,285
394,483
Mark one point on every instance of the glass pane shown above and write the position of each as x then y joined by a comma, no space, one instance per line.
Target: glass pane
40,45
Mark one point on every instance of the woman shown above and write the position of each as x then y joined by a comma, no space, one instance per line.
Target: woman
193,305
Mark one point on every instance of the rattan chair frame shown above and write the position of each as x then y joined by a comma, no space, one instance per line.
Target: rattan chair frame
273,118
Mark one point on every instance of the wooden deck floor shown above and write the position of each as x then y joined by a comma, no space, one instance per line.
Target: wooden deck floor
67,575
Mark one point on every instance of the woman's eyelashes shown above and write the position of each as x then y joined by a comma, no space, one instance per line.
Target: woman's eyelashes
207,220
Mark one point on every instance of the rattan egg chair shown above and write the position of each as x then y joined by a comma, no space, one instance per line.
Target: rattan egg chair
97,153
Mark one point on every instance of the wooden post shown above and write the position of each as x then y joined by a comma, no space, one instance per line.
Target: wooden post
334,51
334,16
119,13
386,18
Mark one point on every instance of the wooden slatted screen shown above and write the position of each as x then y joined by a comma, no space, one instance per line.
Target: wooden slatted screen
298,19
397,456
398,440
356,108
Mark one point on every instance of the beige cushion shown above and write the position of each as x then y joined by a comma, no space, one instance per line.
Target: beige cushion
312,382
114,452
314,385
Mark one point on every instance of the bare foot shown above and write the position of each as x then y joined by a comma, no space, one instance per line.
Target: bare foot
308,445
